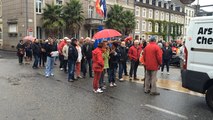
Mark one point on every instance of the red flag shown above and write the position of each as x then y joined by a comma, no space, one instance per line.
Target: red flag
101,7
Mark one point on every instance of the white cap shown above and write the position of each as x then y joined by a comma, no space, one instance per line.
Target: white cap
93,40
66,38
136,41
69,40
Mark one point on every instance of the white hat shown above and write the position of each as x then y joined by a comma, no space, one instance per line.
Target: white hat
93,40
136,41
66,38
69,40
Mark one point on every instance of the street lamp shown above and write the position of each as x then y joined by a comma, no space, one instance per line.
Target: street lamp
187,1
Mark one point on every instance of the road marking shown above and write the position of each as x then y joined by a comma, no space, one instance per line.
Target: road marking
166,111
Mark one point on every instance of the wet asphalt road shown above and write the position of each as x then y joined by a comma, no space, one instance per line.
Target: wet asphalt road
25,94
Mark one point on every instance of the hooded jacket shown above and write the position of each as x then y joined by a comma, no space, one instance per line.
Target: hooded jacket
152,56
98,61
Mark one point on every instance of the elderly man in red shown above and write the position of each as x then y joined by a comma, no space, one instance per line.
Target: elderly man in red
153,59
134,55
60,47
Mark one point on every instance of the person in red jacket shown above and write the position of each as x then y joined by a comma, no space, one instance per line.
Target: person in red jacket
134,55
152,59
60,47
98,66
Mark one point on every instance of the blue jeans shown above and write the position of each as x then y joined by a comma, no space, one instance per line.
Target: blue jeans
35,64
71,69
49,66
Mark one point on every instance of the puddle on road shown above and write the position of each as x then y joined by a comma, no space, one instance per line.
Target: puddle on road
171,85
14,81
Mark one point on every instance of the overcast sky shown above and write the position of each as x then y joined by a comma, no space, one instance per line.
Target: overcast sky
205,2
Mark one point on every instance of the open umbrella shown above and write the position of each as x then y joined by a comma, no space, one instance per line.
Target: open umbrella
31,38
129,38
106,33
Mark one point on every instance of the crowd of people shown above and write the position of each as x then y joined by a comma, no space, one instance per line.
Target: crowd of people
80,57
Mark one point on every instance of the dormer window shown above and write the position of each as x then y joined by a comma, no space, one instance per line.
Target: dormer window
59,2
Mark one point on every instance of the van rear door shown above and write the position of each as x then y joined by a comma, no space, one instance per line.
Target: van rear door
201,47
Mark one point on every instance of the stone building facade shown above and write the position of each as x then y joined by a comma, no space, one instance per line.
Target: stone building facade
23,17
158,10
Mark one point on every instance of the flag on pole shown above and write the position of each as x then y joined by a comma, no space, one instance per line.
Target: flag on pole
101,7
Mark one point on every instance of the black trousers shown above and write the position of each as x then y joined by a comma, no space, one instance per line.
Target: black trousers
43,59
165,62
61,59
133,68
65,65
20,59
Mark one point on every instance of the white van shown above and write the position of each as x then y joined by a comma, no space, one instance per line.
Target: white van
197,74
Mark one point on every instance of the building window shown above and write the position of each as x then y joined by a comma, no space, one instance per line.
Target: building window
192,13
156,27
150,27
156,15
167,16
137,11
172,18
162,16
39,32
39,6
1,32
59,2
179,19
176,19
144,12
0,8
144,1
171,29
189,13
127,2
91,12
137,25
143,25
150,2
150,13
12,28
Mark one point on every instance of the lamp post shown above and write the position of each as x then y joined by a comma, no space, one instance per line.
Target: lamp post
26,3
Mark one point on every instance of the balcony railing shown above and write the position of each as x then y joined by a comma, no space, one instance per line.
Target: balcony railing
94,21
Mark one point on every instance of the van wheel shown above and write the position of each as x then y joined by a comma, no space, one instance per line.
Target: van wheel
209,97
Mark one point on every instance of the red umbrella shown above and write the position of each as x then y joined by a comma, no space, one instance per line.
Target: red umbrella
106,33
31,38
129,38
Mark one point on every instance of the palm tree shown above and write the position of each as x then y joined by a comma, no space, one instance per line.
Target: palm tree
123,21
73,16
52,19
114,18
128,22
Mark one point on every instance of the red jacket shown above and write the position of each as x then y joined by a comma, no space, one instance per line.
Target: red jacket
134,53
152,56
61,45
98,61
